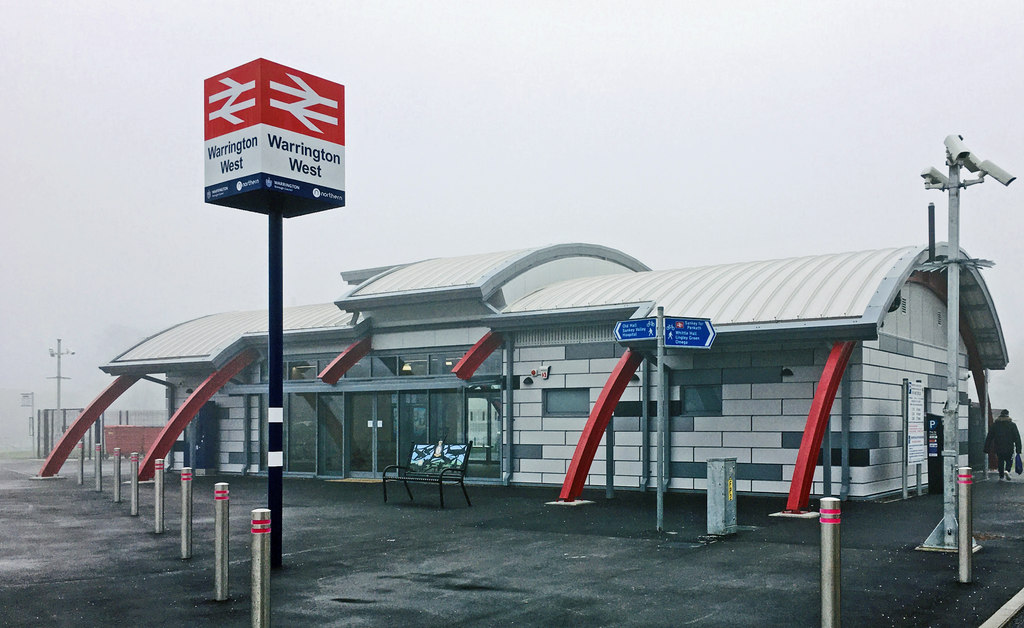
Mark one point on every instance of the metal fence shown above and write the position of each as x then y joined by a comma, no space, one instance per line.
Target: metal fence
52,423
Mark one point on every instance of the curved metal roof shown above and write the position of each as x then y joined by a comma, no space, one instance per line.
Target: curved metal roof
205,339
478,276
794,289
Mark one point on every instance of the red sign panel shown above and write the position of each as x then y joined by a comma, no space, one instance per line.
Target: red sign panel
264,92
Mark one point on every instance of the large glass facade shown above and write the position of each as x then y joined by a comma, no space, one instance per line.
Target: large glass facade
358,434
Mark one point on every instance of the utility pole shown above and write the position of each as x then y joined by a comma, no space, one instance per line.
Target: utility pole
59,353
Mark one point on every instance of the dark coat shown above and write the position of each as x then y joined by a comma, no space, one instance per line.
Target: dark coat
1003,437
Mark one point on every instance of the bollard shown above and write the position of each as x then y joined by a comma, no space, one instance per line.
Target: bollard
98,468
830,562
186,513
261,568
81,463
965,536
158,500
117,475
221,503
134,470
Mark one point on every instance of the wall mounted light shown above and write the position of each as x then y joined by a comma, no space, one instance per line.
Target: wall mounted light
787,372
527,380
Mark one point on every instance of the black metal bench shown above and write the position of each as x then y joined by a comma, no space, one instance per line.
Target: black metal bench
440,464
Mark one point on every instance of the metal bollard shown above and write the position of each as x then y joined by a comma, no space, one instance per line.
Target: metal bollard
158,501
965,536
261,568
830,562
81,463
221,505
186,513
117,475
98,467
134,470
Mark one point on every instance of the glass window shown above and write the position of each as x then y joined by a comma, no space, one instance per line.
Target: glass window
386,366
567,401
446,417
443,363
360,368
484,418
413,365
301,433
329,414
302,369
702,400
492,365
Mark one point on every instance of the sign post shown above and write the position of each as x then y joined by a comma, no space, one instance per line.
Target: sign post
687,333
275,145
915,445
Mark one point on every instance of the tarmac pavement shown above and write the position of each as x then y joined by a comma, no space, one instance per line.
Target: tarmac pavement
69,556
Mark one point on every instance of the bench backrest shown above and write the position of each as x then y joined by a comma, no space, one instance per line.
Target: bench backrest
427,458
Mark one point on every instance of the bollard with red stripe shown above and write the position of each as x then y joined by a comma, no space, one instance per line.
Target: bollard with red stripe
81,462
221,504
158,492
830,562
965,525
186,513
98,465
134,470
261,567
117,475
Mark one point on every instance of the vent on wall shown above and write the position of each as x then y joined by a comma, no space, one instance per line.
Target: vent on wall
903,305
564,336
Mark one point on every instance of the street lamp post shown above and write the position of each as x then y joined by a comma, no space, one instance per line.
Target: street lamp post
944,536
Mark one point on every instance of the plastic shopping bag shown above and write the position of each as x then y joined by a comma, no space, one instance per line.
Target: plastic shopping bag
1018,466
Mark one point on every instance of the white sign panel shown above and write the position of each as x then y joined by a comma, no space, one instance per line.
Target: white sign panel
917,446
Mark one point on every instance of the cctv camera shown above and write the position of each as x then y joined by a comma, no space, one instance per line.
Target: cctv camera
932,176
996,172
972,163
955,148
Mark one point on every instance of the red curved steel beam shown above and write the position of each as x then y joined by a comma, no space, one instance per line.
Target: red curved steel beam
82,424
345,360
477,354
583,457
817,423
188,410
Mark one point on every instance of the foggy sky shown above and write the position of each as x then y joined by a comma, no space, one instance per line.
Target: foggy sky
681,133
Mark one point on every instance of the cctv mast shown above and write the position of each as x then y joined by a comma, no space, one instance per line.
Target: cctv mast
944,536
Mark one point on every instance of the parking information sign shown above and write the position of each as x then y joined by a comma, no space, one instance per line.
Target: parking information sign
917,449
275,138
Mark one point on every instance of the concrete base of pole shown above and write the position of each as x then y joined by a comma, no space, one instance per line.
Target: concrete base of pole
575,502
795,515
52,477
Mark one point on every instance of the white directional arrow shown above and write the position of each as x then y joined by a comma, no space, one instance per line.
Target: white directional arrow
300,108
231,107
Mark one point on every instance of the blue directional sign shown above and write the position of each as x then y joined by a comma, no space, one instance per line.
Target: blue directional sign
695,333
637,329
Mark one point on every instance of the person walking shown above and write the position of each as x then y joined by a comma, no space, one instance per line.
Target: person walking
1003,438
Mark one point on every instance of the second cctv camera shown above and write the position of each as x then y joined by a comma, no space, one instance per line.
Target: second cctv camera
996,172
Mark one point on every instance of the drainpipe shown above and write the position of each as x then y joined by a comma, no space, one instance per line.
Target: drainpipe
509,379
844,489
645,422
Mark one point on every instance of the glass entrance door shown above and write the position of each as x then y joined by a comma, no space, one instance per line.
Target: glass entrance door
371,423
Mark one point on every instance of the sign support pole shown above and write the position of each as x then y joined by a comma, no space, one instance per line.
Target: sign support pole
275,362
662,419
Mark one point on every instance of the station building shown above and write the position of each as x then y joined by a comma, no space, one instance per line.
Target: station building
514,351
